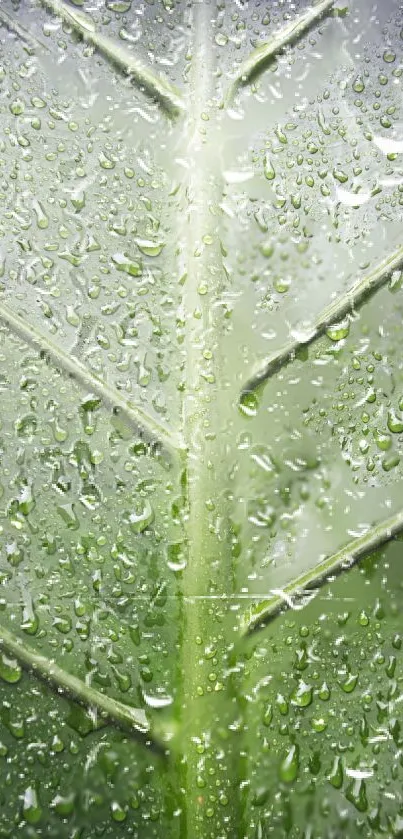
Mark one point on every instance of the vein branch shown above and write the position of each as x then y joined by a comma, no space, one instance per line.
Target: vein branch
73,367
134,719
155,85
344,559
344,305
261,57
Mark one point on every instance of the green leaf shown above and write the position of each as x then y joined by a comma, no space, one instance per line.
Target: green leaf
201,431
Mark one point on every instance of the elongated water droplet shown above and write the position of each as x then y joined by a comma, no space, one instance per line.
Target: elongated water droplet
336,773
357,794
268,169
31,809
290,765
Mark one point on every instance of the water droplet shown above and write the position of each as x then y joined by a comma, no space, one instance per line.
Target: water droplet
31,808
336,773
62,624
319,724
249,404
17,107
105,161
338,331
395,422
268,715
118,812
363,619
41,217
383,441
358,84
120,6
268,169
302,695
340,176
148,247
123,679
14,554
157,701
350,683
68,515
290,765
10,670
324,692
63,805
134,632
128,265
356,793
390,462
30,620
139,521
282,704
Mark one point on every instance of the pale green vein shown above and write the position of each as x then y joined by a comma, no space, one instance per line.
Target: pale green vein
344,559
263,55
13,26
134,719
155,85
73,367
344,305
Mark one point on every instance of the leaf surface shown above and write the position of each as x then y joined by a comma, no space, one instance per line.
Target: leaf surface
202,424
